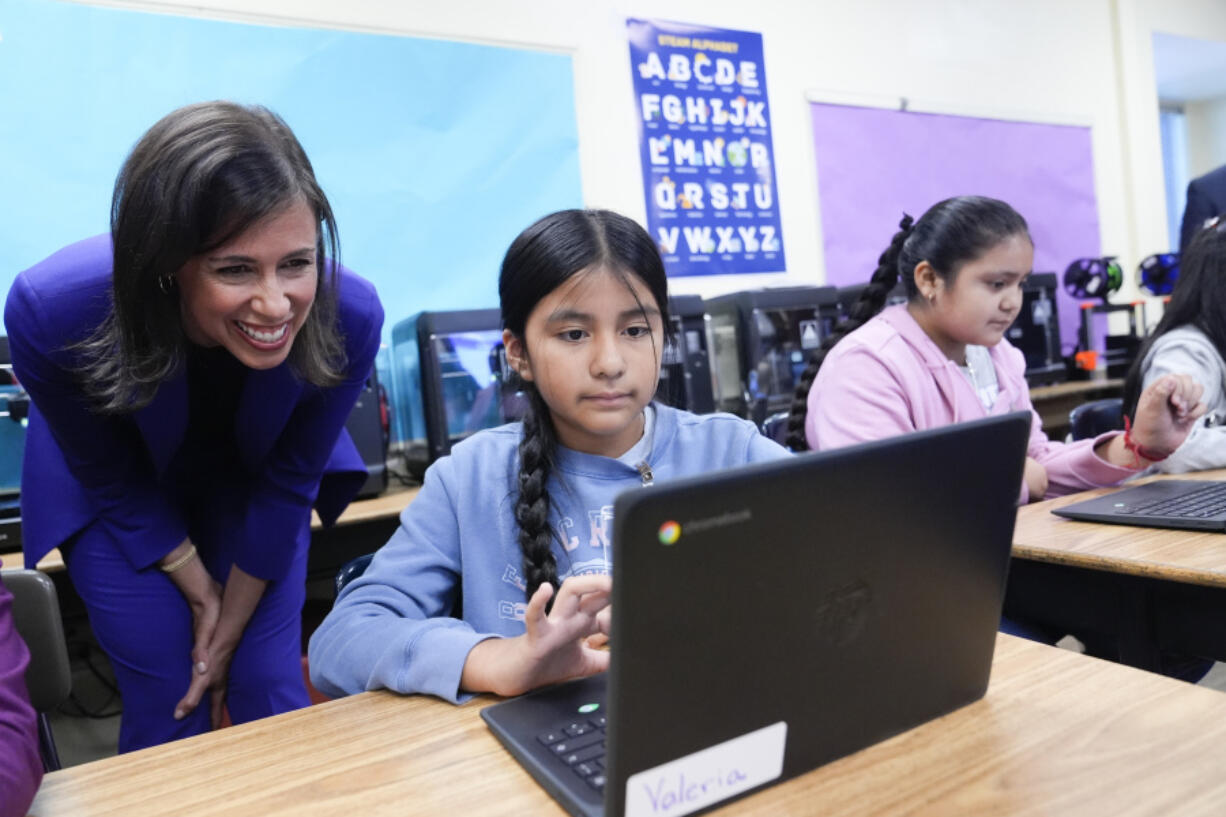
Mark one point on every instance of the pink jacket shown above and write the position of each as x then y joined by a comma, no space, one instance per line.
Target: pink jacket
888,378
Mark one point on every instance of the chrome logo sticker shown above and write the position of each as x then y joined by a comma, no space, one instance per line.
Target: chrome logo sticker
670,532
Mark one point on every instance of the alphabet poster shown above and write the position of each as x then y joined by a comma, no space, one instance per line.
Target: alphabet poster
705,145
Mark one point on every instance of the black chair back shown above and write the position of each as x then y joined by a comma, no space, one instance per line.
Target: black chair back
351,570
776,427
1096,417
36,616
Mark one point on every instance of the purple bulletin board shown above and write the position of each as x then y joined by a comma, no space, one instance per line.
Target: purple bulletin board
874,164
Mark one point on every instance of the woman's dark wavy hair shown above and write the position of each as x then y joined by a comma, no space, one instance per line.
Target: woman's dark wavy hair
543,257
951,233
1199,300
197,179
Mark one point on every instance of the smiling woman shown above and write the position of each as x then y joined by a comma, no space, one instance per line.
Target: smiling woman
190,375
254,293
241,177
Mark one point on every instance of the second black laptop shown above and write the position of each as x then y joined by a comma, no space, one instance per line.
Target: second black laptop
1168,503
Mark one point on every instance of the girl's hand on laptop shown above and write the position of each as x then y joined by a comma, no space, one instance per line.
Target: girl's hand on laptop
604,620
553,648
1035,477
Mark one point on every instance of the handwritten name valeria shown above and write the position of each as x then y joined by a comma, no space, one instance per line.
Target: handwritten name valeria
670,793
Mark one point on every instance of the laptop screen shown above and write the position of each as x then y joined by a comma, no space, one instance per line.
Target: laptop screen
12,444
1036,332
474,376
786,338
475,380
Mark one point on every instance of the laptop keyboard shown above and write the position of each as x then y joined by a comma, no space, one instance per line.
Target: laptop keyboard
1202,503
580,745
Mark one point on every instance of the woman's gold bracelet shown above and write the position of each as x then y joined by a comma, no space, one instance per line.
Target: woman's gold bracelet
182,560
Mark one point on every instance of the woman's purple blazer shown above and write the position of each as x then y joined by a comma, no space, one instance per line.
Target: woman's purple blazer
83,468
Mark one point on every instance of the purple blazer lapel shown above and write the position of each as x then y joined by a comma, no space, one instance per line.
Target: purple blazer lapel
269,397
164,420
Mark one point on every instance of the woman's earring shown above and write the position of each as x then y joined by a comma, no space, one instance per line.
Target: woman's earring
166,283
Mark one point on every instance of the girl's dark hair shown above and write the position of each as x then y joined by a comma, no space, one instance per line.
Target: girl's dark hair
951,233
197,179
1199,300
543,257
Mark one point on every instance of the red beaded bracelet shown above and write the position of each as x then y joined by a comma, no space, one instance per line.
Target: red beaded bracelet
1139,451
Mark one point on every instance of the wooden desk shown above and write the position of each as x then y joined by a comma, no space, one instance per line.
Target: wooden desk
1053,403
387,505
381,512
1058,733
363,528
1153,588
1185,556
53,562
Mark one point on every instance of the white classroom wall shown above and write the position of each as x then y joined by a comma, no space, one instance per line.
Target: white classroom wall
1206,128
1137,20
1087,61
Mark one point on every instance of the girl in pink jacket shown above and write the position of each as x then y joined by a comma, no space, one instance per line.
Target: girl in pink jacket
942,357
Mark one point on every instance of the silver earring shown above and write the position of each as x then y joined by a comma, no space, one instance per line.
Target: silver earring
166,283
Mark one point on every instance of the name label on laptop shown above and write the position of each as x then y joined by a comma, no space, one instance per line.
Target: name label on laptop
707,776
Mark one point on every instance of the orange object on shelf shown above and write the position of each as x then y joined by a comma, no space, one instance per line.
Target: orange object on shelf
1087,360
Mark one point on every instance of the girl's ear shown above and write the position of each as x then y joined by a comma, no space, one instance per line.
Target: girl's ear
927,281
517,355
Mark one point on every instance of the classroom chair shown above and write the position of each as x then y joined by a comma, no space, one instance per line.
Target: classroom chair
776,427
1096,417
351,569
36,615
357,566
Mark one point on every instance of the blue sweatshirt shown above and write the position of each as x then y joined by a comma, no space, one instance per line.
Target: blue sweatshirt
457,549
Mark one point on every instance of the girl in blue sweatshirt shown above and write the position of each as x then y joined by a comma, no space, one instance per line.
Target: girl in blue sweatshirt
499,571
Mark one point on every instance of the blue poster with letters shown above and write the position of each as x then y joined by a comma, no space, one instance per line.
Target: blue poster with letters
705,147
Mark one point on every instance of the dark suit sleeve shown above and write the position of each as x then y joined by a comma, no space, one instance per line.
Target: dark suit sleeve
287,484
1200,208
21,769
106,454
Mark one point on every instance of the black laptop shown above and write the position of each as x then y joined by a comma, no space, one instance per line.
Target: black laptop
772,618
1194,504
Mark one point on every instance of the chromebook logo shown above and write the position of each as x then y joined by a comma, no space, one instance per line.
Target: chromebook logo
670,532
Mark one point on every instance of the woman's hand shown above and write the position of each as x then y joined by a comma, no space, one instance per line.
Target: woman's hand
213,680
203,597
554,646
1035,477
223,618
